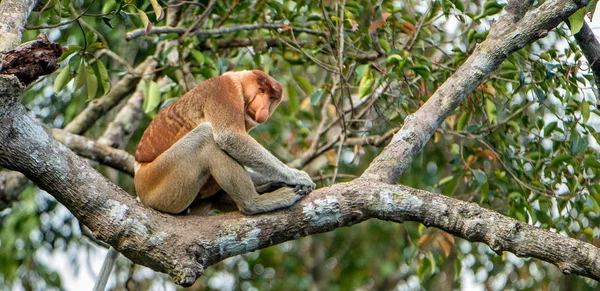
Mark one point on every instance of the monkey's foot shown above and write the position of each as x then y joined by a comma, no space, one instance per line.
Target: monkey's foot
302,190
269,187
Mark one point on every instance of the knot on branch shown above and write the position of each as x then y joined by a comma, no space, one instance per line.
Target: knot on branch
31,59
566,268
188,276
497,247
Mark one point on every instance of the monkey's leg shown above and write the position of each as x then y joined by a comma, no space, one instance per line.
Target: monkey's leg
235,180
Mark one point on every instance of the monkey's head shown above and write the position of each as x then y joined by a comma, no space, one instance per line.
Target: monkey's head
262,94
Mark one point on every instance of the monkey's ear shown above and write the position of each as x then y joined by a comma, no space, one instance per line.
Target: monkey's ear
277,88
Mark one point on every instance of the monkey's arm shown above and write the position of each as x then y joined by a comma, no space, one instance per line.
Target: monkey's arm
248,152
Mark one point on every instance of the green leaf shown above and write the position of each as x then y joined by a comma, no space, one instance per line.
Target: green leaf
445,180
459,5
549,128
576,21
315,98
92,84
463,120
81,77
152,97
304,84
385,45
62,79
515,126
560,159
145,21
585,110
158,10
589,232
592,162
198,56
66,54
103,75
361,71
96,45
591,8
480,177
578,145
490,109
366,85
395,59
422,71
432,264
109,6
457,269
485,190
293,101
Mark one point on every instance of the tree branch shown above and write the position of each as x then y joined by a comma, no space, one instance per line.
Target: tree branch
590,47
223,30
17,12
88,148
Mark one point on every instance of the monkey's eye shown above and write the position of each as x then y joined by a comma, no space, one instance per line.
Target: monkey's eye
262,90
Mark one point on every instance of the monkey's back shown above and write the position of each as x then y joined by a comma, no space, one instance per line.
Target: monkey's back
176,120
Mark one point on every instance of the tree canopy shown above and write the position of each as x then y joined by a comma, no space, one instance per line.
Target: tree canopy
467,129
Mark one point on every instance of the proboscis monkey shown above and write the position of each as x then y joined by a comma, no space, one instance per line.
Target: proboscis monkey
200,144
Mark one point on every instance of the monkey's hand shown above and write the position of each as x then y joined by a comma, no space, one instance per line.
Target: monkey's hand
300,178
302,190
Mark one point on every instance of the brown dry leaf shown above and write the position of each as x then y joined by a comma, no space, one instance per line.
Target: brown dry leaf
305,105
489,154
446,247
449,238
422,88
331,156
385,15
375,25
471,160
286,27
354,24
408,27
332,111
424,239
487,89
451,121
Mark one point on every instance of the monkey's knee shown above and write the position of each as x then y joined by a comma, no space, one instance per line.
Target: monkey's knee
170,192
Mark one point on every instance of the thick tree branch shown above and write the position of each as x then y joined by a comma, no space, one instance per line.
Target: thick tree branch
97,151
514,30
13,17
590,47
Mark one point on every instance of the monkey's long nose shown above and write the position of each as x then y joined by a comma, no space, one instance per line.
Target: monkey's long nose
261,115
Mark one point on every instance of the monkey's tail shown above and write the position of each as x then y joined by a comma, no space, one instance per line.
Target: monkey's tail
107,266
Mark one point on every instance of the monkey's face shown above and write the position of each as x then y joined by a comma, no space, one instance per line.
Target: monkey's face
265,96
